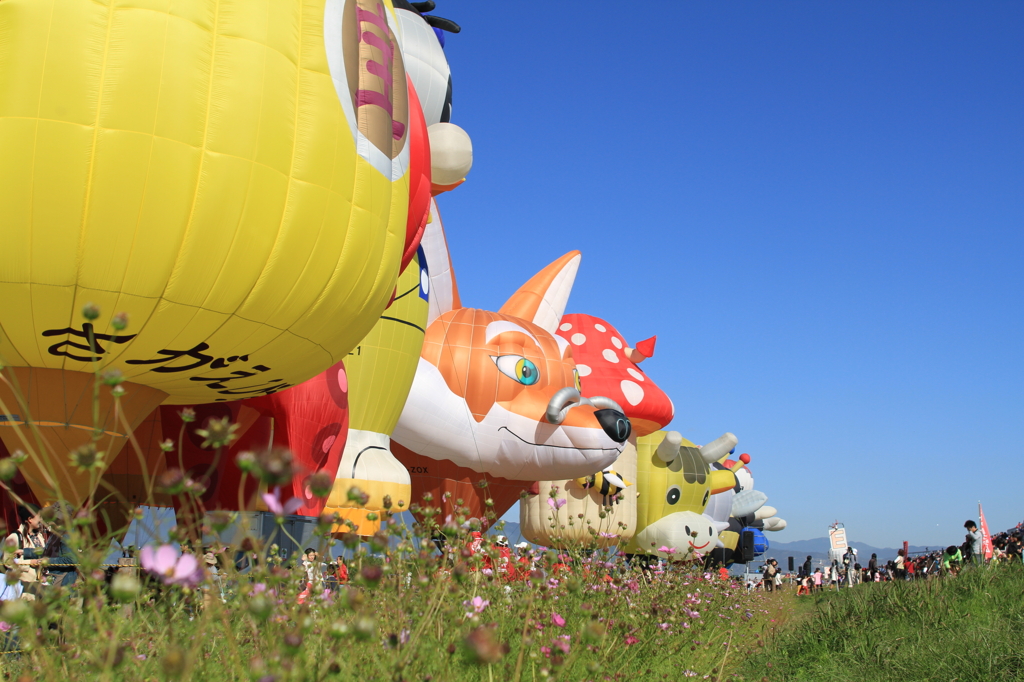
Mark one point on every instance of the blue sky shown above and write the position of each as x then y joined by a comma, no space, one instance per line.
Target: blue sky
817,207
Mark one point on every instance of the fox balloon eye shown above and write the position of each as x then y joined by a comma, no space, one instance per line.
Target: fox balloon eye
518,368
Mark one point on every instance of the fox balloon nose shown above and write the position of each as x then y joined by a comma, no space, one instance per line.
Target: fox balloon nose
615,424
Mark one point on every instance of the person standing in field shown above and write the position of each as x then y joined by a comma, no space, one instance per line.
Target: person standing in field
873,567
807,566
817,580
974,537
769,575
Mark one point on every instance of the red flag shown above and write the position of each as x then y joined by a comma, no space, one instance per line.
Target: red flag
986,539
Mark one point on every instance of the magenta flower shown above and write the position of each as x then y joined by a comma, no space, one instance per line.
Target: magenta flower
172,569
558,620
556,503
667,550
274,504
631,640
5,626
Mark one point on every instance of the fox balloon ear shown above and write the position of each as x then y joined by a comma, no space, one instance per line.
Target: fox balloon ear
542,300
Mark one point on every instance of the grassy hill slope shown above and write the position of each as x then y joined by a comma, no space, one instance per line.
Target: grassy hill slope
969,627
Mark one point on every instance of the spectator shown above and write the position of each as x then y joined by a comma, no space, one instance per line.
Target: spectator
61,559
899,566
974,538
29,532
873,567
807,566
769,570
951,560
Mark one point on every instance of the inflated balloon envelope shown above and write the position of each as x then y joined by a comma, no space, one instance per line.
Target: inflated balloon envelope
599,509
233,176
674,485
496,395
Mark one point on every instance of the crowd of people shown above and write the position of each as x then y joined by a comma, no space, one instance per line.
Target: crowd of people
849,571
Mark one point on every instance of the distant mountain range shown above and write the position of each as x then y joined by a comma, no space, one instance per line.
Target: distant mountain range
817,548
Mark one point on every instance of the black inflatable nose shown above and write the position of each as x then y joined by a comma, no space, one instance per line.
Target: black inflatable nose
615,424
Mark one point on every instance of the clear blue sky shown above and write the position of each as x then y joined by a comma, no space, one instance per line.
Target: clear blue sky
817,207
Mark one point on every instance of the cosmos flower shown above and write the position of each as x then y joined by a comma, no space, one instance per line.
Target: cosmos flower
172,569
478,604
556,503
558,620
274,504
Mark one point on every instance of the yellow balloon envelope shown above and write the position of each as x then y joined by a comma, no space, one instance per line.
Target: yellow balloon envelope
380,374
674,484
231,175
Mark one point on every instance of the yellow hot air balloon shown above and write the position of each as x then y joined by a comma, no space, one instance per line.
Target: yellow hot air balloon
230,174
380,374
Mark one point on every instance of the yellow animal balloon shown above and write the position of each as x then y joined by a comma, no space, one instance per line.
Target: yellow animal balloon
230,174
674,484
380,374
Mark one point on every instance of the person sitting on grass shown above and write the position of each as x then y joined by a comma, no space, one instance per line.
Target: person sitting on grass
951,559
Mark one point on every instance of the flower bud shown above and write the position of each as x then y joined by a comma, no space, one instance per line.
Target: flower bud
320,484
260,607
125,587
90,311
8,469
171,481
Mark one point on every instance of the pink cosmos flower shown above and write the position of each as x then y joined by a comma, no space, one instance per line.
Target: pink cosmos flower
631,640
667,550
274,504
556,503
5,626
558,620
172,569
478,604
691,613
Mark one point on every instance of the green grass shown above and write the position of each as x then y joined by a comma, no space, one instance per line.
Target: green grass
969,627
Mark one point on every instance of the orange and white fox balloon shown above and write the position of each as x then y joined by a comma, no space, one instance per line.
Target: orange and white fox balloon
498,392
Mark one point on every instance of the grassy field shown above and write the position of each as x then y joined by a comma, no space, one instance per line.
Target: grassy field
970,627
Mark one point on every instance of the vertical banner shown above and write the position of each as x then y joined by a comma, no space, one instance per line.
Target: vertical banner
986,539
837,541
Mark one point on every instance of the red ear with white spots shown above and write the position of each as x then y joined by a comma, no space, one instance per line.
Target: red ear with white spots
607,368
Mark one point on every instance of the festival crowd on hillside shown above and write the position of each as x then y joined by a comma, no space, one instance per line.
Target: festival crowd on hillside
849,571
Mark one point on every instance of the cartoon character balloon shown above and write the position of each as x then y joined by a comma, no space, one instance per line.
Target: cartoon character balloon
380,373
309,420
382,366
600,509
496,395
674,484
233,178
738,509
